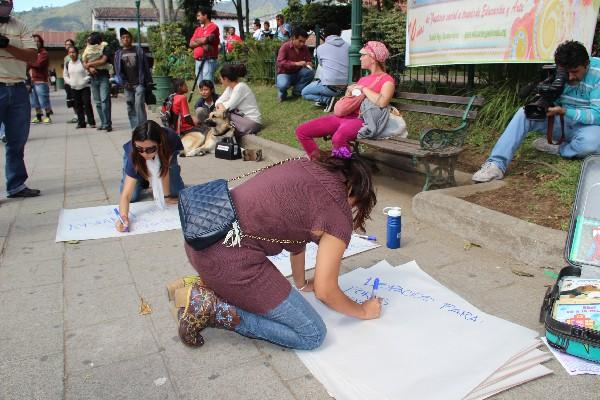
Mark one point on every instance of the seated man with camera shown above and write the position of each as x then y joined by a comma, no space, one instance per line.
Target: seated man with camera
571,97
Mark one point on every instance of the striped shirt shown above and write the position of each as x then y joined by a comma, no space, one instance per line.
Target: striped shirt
11,69
582,102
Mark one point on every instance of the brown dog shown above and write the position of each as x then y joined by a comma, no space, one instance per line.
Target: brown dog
198,143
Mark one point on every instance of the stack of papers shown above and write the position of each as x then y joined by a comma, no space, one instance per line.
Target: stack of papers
428,344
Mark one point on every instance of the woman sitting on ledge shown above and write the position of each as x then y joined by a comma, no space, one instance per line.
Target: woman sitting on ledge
243,291
239,100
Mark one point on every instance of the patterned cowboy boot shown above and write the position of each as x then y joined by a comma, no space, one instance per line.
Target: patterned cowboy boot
204,309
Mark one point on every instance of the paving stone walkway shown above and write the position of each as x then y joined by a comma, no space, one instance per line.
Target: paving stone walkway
69,312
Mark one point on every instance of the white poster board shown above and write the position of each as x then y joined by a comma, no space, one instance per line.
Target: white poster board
426,334
357,245
99,222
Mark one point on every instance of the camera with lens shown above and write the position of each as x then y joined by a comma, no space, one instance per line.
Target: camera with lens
4,42
546,93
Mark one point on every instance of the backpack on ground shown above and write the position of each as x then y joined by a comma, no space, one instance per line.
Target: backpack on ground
167,116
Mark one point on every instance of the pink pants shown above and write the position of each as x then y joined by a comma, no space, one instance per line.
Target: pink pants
341,129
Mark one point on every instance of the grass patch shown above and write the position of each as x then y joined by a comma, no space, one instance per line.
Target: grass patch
279,119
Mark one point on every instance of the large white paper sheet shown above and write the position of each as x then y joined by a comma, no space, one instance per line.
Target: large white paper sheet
425,332
574,365
357,245
99,222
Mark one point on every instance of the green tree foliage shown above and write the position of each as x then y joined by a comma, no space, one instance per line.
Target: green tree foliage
258,56
189,8
312,14
388,26
596,43
172,56
109,37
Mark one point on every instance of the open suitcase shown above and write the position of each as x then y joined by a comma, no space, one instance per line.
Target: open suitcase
580,307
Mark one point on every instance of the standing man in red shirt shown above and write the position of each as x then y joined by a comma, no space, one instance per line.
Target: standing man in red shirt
294,65
205,42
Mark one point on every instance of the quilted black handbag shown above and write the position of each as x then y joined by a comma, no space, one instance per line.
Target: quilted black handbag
207,214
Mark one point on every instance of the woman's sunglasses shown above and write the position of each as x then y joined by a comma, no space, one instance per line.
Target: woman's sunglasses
147,150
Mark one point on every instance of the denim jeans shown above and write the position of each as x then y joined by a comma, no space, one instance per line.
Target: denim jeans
101,93
298,80
293,323
14,114
316,91
580,140
40,96
2,130
208,70
175,182
136,105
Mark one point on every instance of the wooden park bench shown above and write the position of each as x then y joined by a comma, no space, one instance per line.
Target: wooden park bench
437,149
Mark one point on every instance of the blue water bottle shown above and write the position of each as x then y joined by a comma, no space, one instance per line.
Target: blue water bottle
394,226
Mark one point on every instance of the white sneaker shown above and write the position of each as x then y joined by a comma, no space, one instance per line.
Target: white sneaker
488,172
541,144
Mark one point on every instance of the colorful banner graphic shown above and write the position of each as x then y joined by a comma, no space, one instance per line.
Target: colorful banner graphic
495,31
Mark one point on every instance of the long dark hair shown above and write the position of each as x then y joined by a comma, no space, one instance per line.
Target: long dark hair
150,130
359,182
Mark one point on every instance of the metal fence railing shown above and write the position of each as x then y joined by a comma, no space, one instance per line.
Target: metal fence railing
456,78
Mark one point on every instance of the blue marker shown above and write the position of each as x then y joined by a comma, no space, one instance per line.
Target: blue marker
375,287
367,237
121,219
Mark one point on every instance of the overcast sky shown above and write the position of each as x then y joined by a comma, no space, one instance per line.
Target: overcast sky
25,5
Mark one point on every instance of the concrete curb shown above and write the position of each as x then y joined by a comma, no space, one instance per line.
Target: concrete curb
522,240
272,151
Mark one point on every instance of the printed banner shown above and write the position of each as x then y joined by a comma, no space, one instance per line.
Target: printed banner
495,31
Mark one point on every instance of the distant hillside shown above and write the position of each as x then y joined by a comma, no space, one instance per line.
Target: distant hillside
76,16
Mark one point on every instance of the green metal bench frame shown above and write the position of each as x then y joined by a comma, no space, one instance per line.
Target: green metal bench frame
437,149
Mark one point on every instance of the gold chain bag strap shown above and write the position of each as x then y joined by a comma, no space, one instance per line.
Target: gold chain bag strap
235,234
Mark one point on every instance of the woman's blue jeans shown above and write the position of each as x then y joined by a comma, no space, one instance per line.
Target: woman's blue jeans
293,323
175,182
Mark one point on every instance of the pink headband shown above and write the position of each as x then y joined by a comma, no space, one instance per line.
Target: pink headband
377,50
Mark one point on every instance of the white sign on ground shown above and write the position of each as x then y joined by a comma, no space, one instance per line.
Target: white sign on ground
99,222
428,344
282,260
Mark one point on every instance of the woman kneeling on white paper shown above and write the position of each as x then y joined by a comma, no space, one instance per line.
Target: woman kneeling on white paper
243,291
150,155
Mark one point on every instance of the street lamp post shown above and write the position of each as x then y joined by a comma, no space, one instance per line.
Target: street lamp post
355,41
139,32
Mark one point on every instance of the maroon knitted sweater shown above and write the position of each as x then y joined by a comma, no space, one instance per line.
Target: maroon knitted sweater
285,202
